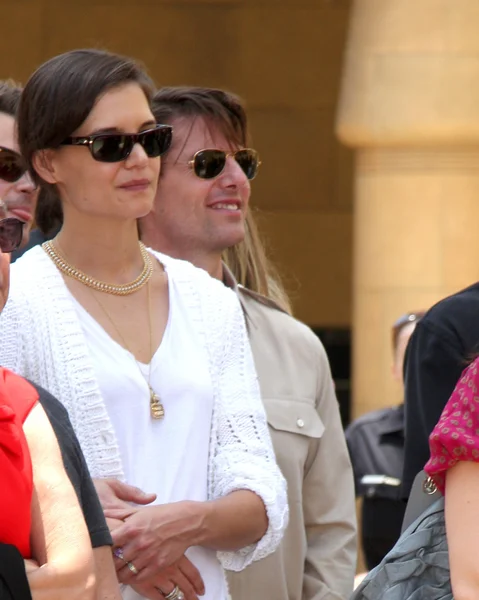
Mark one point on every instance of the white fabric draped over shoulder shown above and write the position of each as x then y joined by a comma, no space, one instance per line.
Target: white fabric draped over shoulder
42,340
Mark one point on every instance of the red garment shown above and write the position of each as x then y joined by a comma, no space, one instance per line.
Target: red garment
17,398
456,435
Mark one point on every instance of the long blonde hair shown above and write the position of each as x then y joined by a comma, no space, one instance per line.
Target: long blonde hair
253,269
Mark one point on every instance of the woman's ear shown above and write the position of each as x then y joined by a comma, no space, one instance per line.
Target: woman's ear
44,165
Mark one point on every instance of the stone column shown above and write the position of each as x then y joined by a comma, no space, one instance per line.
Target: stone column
409,106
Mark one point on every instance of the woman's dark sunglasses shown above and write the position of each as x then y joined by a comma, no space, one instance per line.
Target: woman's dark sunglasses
11,234
210,163
114,147
12,165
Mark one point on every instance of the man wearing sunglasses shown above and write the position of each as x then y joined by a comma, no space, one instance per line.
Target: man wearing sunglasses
18,194
201,210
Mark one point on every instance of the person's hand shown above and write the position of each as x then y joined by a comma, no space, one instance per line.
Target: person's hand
155,537
183,574
114,524
116,497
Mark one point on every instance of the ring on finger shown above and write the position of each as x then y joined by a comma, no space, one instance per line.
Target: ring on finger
132,568
175,594
118,552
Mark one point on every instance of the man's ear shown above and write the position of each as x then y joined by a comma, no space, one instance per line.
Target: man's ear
44,165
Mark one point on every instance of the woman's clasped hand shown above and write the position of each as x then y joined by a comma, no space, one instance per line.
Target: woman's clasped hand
182,573
155,537
148,545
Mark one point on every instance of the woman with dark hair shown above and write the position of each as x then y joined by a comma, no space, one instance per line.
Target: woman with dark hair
148,354
45,551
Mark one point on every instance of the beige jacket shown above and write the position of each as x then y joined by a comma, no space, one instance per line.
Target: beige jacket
317,558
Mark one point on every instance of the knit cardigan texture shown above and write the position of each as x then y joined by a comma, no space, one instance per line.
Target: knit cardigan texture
42,339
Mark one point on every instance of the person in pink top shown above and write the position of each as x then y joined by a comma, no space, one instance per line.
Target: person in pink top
454,467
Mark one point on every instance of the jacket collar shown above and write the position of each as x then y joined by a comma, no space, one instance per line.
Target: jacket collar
393,422
230,282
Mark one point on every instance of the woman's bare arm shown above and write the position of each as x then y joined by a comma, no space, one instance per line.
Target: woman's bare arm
107,583
59,537
462,526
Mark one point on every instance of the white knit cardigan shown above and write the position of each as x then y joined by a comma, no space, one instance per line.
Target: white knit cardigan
42,339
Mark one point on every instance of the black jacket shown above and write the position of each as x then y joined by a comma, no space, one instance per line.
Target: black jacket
444,342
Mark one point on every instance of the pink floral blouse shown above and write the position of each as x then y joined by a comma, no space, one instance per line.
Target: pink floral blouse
456,435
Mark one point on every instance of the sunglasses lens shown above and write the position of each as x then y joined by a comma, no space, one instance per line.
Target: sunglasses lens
11,166
111,148
209,163
114,148
157,142
11,233
248,161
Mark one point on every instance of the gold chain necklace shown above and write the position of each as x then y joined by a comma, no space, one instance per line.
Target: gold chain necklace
157,410
108,288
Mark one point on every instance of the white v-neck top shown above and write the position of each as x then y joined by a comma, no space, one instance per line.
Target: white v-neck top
43,339
167,457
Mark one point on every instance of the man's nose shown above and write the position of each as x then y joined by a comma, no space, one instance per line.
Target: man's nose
233,173
25,184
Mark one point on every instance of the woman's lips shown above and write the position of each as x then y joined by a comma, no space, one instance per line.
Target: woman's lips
136,185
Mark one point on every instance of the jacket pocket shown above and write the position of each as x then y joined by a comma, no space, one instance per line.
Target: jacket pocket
294,416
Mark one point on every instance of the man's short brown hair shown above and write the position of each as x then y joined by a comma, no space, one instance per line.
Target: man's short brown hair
218,107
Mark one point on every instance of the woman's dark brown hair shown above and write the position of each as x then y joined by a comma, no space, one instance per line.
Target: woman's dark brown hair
56,100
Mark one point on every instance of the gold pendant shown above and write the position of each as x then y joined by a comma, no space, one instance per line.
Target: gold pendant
157,409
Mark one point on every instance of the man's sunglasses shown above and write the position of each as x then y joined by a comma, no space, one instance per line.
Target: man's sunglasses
12,165
11,234
210,163
114,147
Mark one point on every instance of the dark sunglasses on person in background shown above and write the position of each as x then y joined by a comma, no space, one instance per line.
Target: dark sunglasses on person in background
115,147
210,163
11,234
12,165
